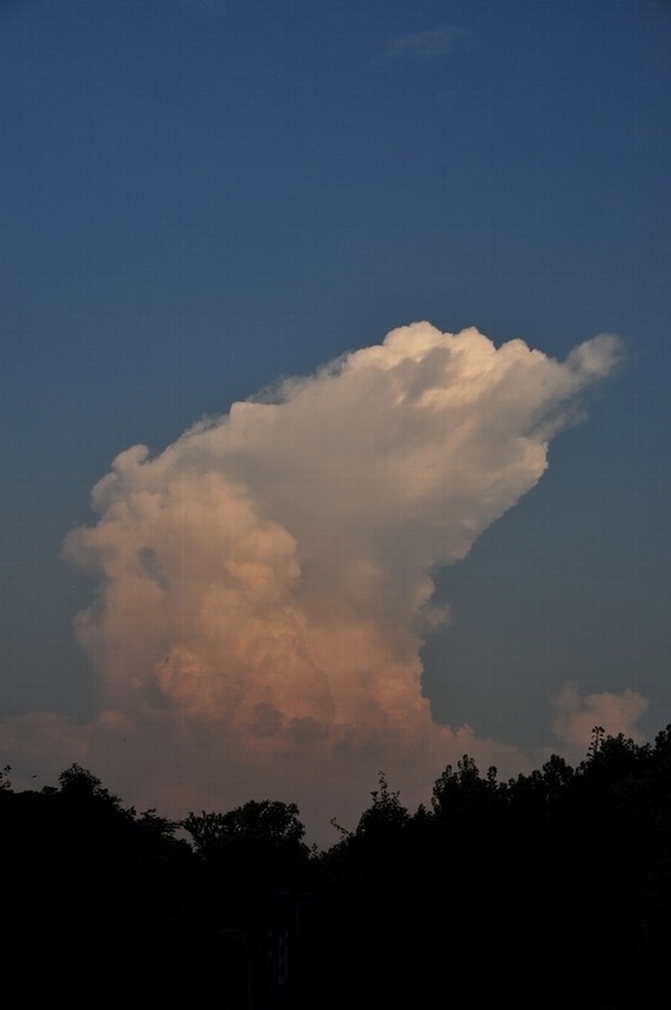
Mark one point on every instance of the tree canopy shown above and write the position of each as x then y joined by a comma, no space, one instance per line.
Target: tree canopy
560,860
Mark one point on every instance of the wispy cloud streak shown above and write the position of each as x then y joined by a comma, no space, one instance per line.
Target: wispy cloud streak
427,44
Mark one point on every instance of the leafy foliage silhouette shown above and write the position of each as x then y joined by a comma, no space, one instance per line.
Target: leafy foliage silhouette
563,859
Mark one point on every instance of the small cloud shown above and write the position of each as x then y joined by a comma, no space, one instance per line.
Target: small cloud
427,44
577,715
216,7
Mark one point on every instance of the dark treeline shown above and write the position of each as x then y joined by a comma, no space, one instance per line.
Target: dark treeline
550,890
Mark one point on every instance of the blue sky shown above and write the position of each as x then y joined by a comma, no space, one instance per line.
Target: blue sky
200,197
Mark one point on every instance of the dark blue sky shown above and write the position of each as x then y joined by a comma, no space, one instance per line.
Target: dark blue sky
198,197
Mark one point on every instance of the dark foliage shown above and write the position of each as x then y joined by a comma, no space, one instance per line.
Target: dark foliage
552,889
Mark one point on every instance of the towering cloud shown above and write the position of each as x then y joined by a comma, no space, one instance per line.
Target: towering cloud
264,584
266,580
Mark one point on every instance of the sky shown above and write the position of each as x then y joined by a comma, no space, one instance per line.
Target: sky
334,400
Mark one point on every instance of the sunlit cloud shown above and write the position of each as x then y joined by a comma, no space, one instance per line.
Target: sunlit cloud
264,584
578,715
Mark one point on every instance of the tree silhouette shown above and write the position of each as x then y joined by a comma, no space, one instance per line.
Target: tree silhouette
562,861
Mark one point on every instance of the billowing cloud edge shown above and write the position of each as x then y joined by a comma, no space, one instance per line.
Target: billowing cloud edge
264,584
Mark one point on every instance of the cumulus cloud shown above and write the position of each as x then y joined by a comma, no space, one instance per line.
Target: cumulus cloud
577,715
264,584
